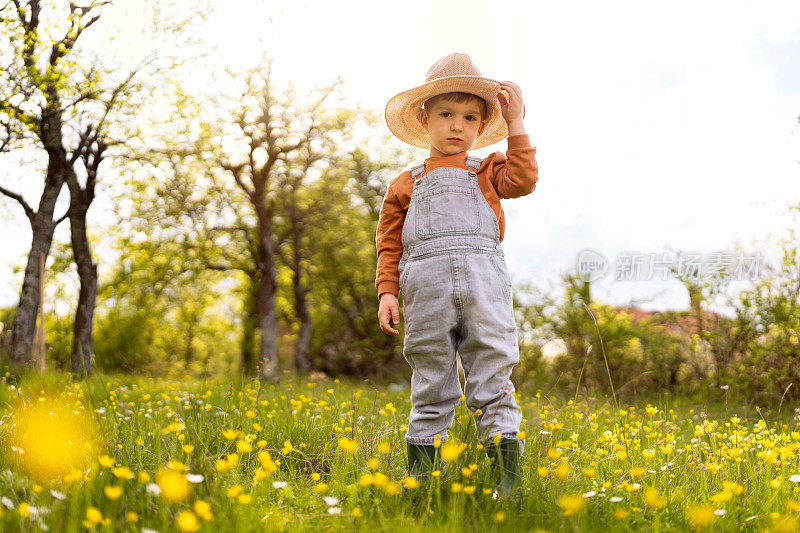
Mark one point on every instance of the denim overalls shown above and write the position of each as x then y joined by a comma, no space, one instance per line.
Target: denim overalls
457,297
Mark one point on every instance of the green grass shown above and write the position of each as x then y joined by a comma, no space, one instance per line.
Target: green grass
145,423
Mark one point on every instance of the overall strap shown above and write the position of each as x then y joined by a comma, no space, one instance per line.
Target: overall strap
474,162
417,170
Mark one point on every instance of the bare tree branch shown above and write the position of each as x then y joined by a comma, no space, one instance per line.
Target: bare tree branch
28,210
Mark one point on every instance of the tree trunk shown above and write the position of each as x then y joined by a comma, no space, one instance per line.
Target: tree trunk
302,359
82,348
268,326
42,227
249,327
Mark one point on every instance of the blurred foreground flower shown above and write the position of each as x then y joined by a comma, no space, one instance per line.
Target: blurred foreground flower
51,438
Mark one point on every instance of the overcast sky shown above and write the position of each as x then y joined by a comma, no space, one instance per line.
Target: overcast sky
656,125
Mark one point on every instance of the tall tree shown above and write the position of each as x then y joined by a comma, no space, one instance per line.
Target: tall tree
37,96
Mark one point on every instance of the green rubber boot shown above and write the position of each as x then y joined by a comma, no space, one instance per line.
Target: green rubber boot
505,466
422,460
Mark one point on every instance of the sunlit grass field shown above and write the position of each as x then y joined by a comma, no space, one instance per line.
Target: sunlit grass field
146,454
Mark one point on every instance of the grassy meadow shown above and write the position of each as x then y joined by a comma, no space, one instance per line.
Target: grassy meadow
147,454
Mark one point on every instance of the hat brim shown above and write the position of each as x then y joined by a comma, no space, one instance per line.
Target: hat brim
402,110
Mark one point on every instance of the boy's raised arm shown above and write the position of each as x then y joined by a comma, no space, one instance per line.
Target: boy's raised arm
515,174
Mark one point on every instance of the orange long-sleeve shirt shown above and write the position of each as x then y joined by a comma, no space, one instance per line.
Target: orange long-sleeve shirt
500,176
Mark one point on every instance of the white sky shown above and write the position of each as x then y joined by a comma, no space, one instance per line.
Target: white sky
671,124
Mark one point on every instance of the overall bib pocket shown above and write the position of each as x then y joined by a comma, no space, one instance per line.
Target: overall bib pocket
448,210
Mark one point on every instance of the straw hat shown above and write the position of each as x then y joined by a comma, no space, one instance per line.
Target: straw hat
453,73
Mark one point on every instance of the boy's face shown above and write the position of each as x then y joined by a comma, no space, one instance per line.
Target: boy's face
452,126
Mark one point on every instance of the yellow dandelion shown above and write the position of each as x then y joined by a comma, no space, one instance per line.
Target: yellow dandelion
234,491
392,488
652,498
94,516
456,487
122,472
173,484
499,516
366,480
244,499
621,514
112,493
638,471
230,434
553,453
131,517
571,503
106,461
543,471
451,450
373,463
561,471
222,465
469,490
144,477
203,510
700,515
411,482
287,448
321,487
187,522
242,446
356,513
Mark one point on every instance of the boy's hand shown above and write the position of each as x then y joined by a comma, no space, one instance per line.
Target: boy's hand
389,308
510,96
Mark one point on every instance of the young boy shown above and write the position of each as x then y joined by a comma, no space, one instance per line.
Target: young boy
438,243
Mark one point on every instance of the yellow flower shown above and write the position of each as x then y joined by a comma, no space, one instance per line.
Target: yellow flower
173,484
589,471
652,498
392,488
106,461
242,446
383,447
373,463
321,487
245,499
232,459
638,471
222,465
94,516
230,434
721,497
131,516
543,471
456,487
234,491
411,483
24,509
451,450
553,453
203,510
287,448
785,524
356,513
122,472
315,476
366,480
187,522
469,489
700,515
499,516
144,477
348,445
571,503
561,471
621,514
112,493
